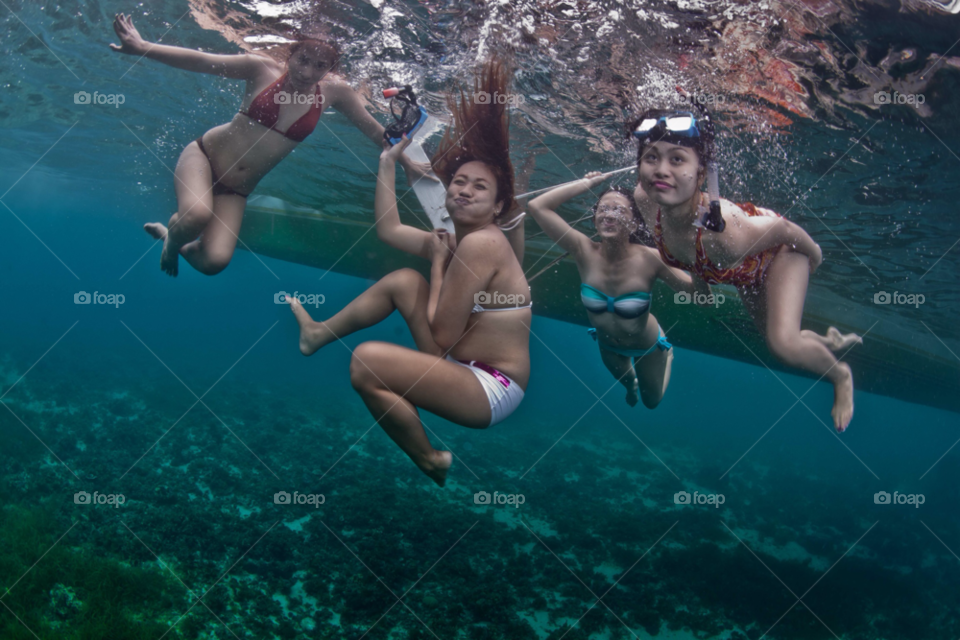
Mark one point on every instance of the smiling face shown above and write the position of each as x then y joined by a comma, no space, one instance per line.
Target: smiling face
472,194
670,174
310,62
614,217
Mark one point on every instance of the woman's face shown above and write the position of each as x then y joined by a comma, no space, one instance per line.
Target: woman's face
472,194
308,64
614,217
669,174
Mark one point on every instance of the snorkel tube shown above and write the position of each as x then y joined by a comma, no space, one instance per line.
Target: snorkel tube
411,117
710,217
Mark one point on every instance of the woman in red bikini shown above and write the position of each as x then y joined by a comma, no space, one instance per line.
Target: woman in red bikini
217,171
768,258
471,321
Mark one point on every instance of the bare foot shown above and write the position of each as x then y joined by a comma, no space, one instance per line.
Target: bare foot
156,230
633,393
169,259
313,335
437,469
843,398
834,340
839,341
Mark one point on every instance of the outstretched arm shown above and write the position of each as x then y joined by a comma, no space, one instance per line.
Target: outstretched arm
761,233
543,209
239,67
676,279
389,228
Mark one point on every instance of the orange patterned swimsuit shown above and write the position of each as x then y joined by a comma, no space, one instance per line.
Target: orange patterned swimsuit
750,272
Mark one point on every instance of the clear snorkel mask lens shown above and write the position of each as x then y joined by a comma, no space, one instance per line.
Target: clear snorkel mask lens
682,124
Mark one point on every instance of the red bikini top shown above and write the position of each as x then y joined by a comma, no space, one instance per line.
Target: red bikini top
750,271
265,109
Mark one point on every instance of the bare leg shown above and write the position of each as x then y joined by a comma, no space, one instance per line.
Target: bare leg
784,290
653,373
212,251
405,290
193,182
393,381
622,369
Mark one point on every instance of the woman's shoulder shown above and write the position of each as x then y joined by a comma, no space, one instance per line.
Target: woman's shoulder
265,65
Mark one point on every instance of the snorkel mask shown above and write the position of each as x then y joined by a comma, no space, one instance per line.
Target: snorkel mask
683,127
411,117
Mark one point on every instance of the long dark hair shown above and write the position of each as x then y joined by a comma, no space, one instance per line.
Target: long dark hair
480,132
642,235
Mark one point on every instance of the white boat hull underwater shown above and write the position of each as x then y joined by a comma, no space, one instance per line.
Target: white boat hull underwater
921,370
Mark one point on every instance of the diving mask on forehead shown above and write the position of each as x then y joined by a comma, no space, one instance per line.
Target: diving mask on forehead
681,124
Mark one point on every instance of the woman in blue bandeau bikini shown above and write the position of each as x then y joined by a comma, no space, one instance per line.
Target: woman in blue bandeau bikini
617,274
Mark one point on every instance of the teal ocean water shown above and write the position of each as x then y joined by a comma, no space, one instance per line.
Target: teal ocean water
731,511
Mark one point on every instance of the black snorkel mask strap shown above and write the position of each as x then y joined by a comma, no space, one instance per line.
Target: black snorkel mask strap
711,218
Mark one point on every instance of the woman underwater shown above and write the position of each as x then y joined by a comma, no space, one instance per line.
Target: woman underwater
617,275
472,361
216,172
768,258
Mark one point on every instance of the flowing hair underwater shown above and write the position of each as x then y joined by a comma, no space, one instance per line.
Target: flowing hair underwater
480,132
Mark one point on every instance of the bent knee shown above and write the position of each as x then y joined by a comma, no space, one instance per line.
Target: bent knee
406,277
362,363
784,347
197,212
214,264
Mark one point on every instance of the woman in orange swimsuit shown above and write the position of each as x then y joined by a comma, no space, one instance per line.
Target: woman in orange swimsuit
768,258
217,171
